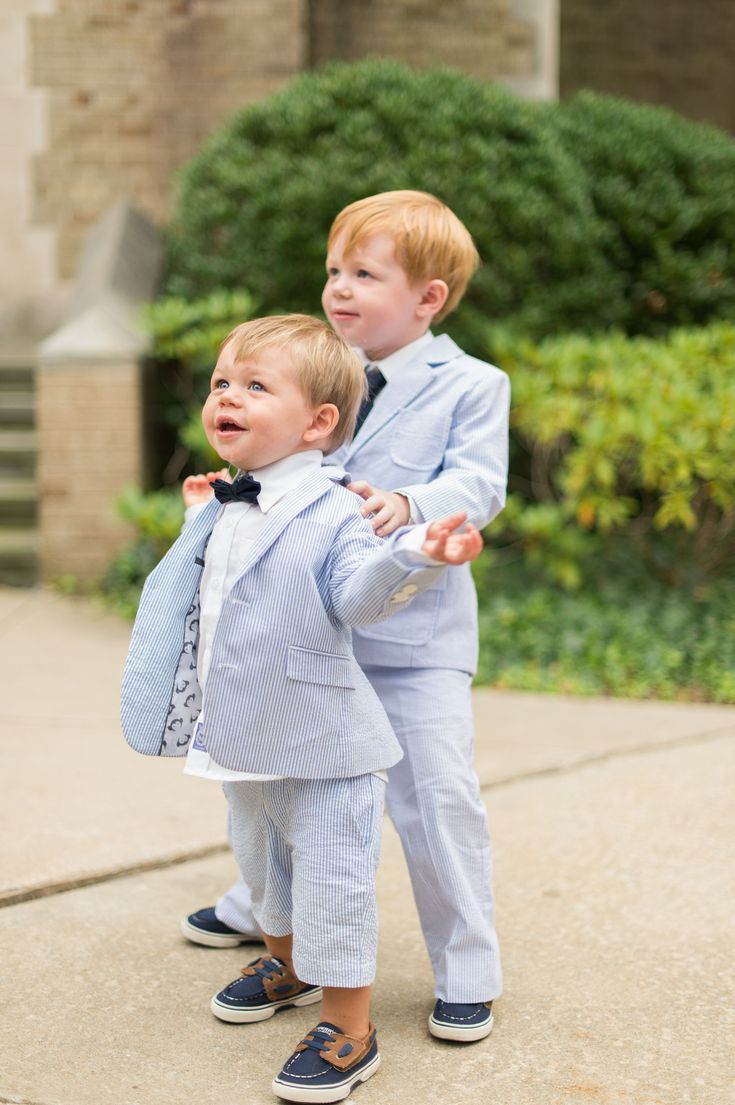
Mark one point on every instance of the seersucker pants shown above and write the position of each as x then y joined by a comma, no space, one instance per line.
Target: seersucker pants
433,799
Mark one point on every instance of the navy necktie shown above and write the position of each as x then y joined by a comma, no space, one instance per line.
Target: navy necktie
244,490
376,382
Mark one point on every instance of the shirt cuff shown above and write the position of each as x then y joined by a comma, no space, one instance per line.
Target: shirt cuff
408,546
414,516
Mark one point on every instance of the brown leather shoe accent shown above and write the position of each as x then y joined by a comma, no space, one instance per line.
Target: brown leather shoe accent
275,988
330,1052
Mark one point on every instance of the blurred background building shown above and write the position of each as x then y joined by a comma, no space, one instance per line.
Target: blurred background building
102,100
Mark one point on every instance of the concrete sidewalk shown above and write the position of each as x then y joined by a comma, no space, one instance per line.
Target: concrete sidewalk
612,823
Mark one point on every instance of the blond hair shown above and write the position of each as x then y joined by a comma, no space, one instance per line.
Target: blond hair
328,370
431,242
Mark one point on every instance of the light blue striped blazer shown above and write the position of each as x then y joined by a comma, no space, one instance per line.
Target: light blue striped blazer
284,693
439,431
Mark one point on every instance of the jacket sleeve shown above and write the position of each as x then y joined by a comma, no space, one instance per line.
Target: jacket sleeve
475,467
371,578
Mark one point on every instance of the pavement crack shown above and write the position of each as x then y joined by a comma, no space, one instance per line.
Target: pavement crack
644,749
46,890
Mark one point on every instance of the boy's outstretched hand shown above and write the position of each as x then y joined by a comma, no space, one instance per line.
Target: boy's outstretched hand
444,543
196,489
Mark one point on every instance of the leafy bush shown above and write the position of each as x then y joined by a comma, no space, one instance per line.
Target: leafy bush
662,186
157,518
191,331
588,214
624,440
629,635
186,336
256,204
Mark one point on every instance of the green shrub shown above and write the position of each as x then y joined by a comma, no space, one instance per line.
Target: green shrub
186,336
629,635
157,518
664,189
256,204
589,214
624,440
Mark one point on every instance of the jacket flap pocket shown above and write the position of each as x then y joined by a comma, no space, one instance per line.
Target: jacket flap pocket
328,668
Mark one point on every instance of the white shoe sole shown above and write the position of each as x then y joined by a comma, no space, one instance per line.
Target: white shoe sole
216,939
249,1016
464,1035
325,1095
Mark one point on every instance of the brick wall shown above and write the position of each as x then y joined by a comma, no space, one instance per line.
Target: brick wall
133,86
90,429
672,52
481,37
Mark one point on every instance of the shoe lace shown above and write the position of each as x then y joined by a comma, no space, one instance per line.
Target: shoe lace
268,968
317,1041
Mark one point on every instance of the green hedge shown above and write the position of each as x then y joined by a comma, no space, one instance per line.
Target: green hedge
624,443
256,204
588,214
663,191
628,635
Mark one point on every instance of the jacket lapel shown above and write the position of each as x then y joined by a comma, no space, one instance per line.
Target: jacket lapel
402,391
312,488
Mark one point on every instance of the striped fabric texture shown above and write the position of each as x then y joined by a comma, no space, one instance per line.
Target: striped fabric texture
440,432
311,848
284,694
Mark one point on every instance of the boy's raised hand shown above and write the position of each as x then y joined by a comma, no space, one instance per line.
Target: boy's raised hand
390,509
445,544
196,489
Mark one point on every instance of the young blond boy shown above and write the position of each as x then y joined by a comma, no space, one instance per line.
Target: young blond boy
242,641
435,436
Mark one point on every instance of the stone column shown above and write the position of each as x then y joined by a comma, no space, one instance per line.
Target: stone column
91,403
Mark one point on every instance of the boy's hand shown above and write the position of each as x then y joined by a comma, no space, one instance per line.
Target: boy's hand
390,510
196,489
452,548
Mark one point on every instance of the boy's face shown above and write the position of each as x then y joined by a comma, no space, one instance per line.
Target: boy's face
256,413
368,298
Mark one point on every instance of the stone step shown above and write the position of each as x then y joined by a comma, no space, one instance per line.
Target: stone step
15,376
18,556
18,501
17,409
17,449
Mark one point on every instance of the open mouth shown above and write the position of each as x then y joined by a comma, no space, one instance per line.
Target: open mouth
226,426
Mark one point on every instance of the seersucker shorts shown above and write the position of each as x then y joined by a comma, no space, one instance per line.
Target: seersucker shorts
309,850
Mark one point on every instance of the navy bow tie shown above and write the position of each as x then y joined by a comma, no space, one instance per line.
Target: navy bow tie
244,490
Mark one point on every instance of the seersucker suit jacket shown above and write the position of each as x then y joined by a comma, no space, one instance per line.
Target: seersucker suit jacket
439,431
284,693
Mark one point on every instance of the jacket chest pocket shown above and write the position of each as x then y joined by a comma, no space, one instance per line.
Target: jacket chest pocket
418,441
327,668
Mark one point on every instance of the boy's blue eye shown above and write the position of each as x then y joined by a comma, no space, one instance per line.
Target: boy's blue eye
255,386
220,385
362,272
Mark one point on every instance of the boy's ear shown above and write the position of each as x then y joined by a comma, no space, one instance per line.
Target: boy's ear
433,299
324,420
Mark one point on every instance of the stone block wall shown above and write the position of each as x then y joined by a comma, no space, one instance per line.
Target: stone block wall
91,429
132,88
28,255
483,37
669,52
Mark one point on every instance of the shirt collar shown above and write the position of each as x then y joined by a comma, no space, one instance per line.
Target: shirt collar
392,365
277,479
